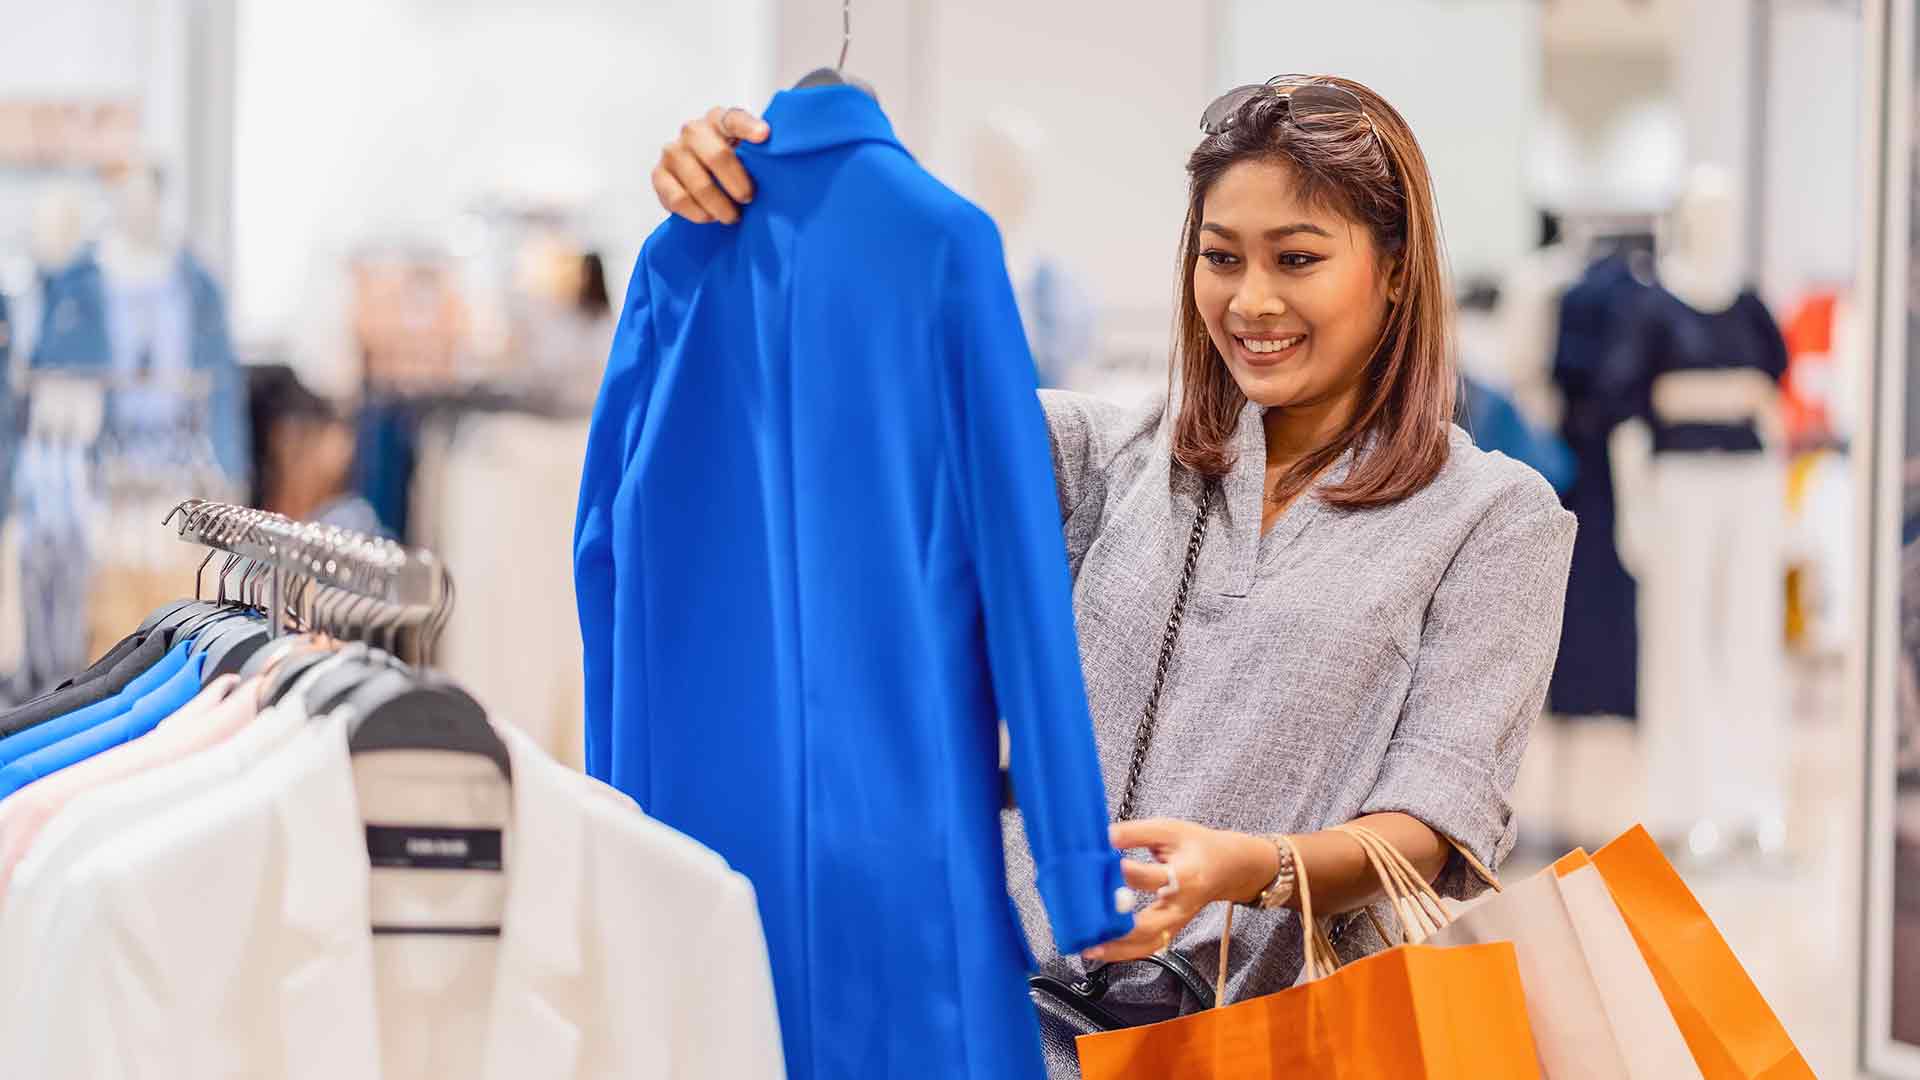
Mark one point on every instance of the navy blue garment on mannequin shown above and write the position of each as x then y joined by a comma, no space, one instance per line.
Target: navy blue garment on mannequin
1597,672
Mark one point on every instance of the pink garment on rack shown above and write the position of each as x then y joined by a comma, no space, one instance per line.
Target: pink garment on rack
222,708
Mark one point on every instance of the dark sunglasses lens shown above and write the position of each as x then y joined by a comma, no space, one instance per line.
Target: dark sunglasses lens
1220,114
1310,102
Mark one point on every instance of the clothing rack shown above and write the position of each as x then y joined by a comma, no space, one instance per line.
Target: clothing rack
411,583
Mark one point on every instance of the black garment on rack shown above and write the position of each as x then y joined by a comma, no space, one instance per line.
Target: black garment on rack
1598,671
1662,334
106,677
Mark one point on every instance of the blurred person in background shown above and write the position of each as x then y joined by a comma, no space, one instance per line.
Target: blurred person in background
302,453
1375,603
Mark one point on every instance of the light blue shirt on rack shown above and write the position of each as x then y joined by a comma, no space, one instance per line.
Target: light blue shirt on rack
40,736
141,716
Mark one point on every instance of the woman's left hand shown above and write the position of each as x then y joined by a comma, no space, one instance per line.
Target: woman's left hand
1195,866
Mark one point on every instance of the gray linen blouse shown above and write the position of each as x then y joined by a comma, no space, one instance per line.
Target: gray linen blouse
1344,663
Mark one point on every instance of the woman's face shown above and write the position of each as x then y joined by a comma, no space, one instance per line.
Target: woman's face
1293,295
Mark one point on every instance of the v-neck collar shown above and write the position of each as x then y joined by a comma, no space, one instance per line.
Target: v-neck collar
1244,497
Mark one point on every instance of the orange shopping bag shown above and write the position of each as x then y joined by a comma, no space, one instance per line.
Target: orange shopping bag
1727,1024
1413,1012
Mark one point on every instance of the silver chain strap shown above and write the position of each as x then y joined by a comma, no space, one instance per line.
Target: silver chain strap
1144,736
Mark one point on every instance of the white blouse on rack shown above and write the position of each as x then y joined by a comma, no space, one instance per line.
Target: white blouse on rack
230,936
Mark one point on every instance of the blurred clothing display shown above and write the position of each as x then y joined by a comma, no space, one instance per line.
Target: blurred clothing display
527,306
1528,321
495,494
1809,338
1496,424
157,339
1661,335
409,320
1822,557
817,555
1708,547
53,508
387,433
1059,320
1713,692
1598,669
303,453
130,388
389,429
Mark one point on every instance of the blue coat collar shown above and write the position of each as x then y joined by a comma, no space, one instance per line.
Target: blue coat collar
822,117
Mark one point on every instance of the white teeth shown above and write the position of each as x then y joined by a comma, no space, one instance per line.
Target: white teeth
1280,345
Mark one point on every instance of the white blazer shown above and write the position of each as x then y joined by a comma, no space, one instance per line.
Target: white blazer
232,940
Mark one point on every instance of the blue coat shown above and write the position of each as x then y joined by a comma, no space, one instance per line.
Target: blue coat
818,554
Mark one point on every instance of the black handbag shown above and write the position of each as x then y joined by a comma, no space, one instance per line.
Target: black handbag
1079,1003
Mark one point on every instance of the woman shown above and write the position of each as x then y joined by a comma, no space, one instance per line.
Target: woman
1374,610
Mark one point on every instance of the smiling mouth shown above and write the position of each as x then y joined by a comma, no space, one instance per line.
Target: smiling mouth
1269,350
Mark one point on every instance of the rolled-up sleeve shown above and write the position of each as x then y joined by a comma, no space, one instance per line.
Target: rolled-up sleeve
1479,681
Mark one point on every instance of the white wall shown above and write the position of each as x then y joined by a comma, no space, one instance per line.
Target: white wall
889,49
1467,77
1812,184
1117,89
384,120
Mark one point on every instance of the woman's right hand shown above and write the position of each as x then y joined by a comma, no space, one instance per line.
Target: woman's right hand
699,177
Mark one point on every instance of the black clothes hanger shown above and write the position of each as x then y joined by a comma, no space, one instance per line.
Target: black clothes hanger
401,710
192,628
163,612
332,689
288,673
231,656
266,654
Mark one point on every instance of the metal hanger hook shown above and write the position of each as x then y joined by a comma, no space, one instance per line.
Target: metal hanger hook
846,33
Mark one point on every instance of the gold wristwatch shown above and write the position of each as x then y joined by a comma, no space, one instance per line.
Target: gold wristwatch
1281,889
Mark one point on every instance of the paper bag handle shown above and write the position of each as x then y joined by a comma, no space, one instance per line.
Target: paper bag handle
1474,864
1418,907
1414,900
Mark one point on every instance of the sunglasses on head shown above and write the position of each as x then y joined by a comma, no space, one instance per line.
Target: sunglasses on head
1305,104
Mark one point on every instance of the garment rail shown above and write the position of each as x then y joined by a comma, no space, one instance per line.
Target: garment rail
412,584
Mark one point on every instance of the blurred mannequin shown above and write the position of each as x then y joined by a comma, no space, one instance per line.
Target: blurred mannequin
1529,327
1008,151
1700,263
1701,489
129,308
135,248
60,226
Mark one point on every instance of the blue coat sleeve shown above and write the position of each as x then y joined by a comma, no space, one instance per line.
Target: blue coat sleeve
1012,513
617,415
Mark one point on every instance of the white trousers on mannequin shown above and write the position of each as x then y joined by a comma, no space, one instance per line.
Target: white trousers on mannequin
1713,709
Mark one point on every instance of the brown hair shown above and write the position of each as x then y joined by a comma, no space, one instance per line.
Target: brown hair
1377,181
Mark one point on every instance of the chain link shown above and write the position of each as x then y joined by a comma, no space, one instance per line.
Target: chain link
1144,736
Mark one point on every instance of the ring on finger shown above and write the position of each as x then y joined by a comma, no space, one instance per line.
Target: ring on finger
1166,940
1171,888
